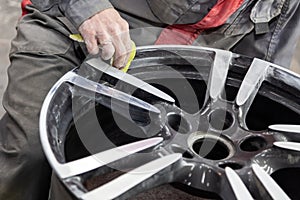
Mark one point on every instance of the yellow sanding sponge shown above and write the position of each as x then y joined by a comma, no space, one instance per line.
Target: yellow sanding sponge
78,38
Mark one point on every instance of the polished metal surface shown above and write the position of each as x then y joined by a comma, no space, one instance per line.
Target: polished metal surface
128,181
126,78
270,185
210,139
238,187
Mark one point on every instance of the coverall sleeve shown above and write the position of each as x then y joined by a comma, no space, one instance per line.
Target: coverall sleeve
77,11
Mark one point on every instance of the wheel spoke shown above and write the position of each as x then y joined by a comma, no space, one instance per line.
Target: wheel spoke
126,105
253,80
240,190
294,146
132,179
218,75
289,131
129,79
285,128
269,184
104,158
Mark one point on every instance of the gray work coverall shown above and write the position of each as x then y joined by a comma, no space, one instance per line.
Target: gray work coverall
42,52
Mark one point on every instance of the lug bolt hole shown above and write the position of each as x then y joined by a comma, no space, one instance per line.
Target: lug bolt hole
252,144
178,123
210,148
220,119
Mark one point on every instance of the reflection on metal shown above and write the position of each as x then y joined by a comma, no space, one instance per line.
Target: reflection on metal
294,146
104,158
240,190
253,80
127,78
219,73
116,95
132,179
172,153
270,185
285,128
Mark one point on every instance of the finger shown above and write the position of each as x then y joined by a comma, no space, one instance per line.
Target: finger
105,42
91,45
123,47
120,53
108,50
128,45
130,58
89,37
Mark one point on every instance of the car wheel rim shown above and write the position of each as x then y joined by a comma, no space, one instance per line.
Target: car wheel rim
233,125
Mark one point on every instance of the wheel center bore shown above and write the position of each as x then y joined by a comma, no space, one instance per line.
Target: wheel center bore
211,149
210,146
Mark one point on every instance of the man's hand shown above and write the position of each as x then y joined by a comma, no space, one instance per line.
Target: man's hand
110,31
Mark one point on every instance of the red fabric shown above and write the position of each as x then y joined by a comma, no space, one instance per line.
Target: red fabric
187,33
24,3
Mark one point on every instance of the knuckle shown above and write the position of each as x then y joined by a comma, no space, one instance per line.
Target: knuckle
118,27
113,29
89,32
124,24
101,36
